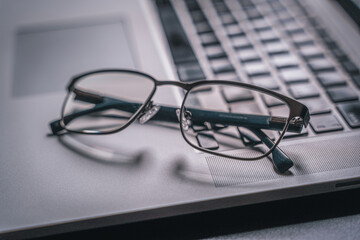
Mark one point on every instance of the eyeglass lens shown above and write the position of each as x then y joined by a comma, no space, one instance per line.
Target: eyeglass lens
104,102
235,118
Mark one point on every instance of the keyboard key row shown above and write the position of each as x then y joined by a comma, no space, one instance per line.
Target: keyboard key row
185,60
349,66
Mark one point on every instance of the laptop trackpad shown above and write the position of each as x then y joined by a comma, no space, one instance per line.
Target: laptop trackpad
47,56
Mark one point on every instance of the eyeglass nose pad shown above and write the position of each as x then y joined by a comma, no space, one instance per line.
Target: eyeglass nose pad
185,119
149,111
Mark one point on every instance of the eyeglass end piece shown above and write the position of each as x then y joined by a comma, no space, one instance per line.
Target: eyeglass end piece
56,127
281,161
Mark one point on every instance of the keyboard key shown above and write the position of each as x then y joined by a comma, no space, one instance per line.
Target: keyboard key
230,76
190,71
220,7
268,36
316,106
194,101
356,80
290,76
214,51
199,128
350,67
286,19
227,18
260,25
203,27
325,123
247,4
320,31
235,94
207,140
240,42
300,40
303,132
329,79
313,21
311,52
267,82
248,55
284,61
192,5
300,91
197,16
280,111
271,101
208,39
292,25
221,65
351,113
234,30
293,28
253,14
276,48
342,94
321,65
248,107
330,43
339,54
254,69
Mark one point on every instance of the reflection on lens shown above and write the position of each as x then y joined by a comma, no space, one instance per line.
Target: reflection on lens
104,102
227,117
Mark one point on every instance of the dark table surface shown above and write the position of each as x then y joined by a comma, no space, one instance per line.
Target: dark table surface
324,216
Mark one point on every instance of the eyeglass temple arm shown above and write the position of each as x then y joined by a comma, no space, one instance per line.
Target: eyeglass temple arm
168,114
233,119
56,126
280,160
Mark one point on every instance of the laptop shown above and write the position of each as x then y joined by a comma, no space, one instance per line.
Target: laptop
49,185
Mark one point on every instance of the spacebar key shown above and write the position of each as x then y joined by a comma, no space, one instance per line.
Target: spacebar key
351,113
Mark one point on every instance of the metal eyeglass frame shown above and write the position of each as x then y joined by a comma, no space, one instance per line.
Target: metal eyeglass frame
298,113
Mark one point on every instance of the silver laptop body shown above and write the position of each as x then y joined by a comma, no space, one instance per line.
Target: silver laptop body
52,185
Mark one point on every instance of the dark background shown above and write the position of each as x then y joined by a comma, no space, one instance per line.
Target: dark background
337,209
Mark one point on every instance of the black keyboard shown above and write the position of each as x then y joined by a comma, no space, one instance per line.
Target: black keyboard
279,45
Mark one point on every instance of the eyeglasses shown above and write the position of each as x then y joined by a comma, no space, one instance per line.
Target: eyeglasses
224,118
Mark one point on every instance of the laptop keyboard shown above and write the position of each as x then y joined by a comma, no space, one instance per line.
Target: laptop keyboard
279,45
